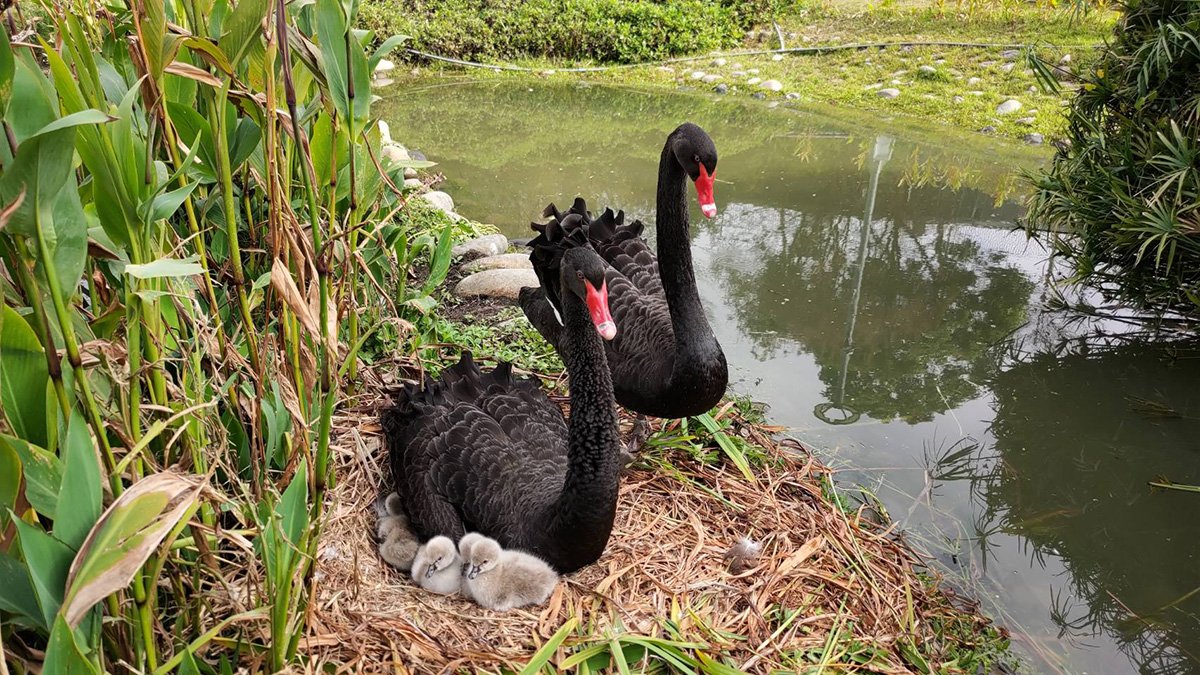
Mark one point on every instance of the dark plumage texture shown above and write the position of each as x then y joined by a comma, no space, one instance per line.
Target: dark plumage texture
489,452
665,360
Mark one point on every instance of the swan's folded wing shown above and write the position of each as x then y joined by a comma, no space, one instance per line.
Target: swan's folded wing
642,355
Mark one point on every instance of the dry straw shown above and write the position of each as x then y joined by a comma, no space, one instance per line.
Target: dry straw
825,588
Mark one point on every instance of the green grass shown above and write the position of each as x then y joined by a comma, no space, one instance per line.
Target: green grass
507,336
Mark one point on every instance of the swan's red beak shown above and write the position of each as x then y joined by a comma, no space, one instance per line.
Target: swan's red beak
597,302
704,192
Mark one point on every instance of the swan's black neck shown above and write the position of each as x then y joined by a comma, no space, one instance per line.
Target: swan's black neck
582,517
694,339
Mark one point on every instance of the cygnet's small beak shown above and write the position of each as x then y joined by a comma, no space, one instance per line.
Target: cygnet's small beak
430,570
474,572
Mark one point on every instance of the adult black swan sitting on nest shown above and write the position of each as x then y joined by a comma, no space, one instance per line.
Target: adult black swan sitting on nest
489,453
666,362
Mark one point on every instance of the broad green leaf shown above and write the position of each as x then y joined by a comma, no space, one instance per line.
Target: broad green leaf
64,656
154,29
10,483
385,49
7,68
190,124
293,506
246,138
90,116
48,560
165,205
43,474
24,376
423,304
542,657
439,263
243,27
16,592
411,164
125,536
38,102
321,146
79,501
333,34
166,267
210,53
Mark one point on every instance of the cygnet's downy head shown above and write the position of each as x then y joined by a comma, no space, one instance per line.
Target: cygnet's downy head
468,540
441,552
484,556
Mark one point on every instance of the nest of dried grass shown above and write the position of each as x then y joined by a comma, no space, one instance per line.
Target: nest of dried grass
827,587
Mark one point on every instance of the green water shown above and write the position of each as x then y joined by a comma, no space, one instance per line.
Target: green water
865,281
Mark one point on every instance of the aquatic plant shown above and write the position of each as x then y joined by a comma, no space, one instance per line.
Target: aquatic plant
1120,199
195,226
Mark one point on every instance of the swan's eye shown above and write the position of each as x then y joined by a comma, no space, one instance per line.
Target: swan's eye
696,159
580,275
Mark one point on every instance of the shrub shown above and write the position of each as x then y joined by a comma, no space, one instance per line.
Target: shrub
621,31
1120,200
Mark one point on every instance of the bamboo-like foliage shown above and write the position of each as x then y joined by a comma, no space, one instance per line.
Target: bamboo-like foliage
196,230
1122,201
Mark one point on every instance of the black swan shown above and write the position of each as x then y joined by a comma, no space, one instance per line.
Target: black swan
666,362
491,453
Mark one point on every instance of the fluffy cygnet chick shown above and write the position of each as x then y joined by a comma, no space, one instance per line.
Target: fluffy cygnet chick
437,567
501,580
397,543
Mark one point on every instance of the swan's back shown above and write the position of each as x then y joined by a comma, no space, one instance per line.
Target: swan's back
474,451
642,357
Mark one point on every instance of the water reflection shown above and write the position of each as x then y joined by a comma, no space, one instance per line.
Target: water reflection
866,284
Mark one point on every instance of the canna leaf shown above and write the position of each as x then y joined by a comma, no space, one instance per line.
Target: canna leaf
79,501
125,536
43,474
89,116
165,205
63,653
439,263
47,560
385,49
166,267
243,28
24,376
16,592
7,69
332,30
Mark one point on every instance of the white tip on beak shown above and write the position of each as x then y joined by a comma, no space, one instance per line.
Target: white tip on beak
607,330
709,210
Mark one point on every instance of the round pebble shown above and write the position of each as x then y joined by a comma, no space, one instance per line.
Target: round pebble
888,93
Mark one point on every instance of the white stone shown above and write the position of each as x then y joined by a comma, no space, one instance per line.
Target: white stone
384,66
738,73
709,79
896,82
718,62
1026,120
928,70
440,200
792,96
1010,53
1066,58
394,153
738,66
974,81
1032,89
385,133
753,81
888,93
772,85
753,71
409,172
1008,67
413,183
502,283
489,244
777,57
957,99
548,73
1034,139
666,69
877,85
379,82
1010,106
698,74
504,261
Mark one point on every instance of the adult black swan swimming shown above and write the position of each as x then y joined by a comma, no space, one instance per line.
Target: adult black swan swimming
490,453
666,362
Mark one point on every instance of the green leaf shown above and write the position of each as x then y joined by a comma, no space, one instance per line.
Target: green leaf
63,654
43,474
125,536
165,205
154,29
89,116
10,483
79,502
542,657
24,376
39,104
439,262
333,34
246,138
48,561
166,267
243,27
16,592
191,124
385,49
7,68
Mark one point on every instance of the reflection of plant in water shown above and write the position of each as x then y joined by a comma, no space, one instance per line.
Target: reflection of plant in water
1074,488
931,302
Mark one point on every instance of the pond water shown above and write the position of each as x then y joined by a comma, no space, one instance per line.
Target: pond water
866,282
